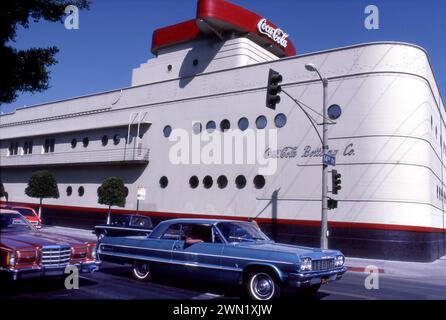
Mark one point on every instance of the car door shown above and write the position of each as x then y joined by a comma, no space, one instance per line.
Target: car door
201,260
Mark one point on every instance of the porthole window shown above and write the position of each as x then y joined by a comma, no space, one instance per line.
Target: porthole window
164,182
69,191
169,68
116,139
195,62
167,131
222,182
73,143
259,181
280,120
211,126
243,124
197,127
194,182
81,191
240,182
85,142
225,125
261,122
208,182
104,140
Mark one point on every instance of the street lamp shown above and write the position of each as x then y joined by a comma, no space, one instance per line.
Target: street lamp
324,224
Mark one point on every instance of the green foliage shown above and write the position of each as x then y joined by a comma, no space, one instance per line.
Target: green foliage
26,70
112,192
42,184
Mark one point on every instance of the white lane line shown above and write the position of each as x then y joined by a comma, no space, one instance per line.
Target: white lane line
349,294
206,296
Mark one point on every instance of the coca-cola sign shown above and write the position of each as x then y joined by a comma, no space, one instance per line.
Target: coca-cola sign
276,34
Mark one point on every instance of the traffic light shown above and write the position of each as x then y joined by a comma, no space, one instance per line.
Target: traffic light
273,89
332,203
336,181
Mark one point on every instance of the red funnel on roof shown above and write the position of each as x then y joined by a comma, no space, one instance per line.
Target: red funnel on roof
220,17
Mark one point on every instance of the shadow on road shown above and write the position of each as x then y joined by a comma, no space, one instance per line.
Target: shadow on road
28,289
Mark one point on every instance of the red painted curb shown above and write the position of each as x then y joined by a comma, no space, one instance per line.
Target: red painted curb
362,269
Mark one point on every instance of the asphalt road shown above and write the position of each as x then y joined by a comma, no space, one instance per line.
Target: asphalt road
114,282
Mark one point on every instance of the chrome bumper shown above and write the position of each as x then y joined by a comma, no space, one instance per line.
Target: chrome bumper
38,272
306,279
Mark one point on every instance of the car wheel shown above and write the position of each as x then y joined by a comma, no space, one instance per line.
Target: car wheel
261,285
141,271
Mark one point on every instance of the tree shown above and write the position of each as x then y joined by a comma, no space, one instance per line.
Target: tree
26,70
3,192
112,192
42,184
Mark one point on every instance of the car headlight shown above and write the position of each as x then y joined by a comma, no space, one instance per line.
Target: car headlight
12,259
94,252
339,261
305,264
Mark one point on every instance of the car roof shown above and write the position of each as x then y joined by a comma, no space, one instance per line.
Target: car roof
8,211
198,221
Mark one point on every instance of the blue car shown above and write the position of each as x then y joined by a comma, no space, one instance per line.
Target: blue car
229,252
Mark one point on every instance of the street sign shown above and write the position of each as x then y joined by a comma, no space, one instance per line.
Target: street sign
141,194
329,160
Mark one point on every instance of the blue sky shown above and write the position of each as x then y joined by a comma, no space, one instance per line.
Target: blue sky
115,36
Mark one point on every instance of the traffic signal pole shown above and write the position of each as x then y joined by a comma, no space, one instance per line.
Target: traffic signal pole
324,215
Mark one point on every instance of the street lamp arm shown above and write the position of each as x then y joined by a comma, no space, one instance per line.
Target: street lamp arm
305,112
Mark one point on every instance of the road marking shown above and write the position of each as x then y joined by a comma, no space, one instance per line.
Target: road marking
206,296
349,294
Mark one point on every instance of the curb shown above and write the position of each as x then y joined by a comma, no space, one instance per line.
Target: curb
362,269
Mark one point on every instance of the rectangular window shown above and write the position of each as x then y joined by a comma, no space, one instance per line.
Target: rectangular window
28,147
13,149
48,146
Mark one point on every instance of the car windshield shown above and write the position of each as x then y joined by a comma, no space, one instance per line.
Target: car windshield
241,231
26,212
14,222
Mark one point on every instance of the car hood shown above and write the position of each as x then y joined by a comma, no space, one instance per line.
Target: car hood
314,253
24,239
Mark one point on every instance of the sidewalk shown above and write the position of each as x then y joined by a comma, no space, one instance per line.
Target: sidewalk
386,267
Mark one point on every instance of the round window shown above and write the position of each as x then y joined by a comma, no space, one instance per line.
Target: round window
225,125
73,143
259,181
334,111
222,182
116,139
240,182
211,126
208,182
280,120
164,182
85,142
261,122
194,182
104,140
167,131
69,191
197,127
243,124
81,191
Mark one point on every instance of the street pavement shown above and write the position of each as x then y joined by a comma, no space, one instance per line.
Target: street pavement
396,281
114,282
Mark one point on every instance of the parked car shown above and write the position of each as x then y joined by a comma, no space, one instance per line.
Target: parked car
125,225
29,213
26,252
229,252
